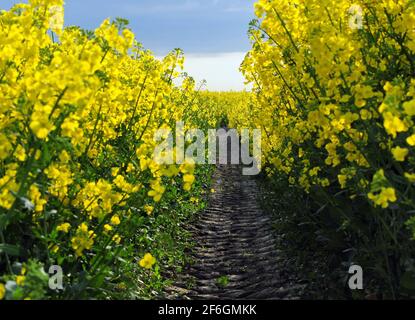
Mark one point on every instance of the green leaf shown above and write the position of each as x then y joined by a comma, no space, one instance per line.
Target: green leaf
10,249
4,221
223,281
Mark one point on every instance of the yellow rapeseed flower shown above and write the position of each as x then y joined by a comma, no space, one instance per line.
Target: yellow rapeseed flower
148,209
107,228
409,107
116,238
157,191
400,153
386,196
342,180
411,140
20,280
64,227
83,240
393,125
148,261
54,248
188,180
115,220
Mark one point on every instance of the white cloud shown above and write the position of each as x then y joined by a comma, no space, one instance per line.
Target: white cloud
221,70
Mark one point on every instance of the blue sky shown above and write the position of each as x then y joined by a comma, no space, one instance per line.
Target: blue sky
213,33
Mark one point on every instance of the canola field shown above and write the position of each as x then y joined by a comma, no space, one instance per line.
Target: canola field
333,92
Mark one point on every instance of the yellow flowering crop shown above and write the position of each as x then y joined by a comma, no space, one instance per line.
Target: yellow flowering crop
386,196
115,220
334,98
148,209
147,261
333,91
78,113
64,227
326,94
83,240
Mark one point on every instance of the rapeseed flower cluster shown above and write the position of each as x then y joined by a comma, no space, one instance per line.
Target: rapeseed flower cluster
78,113
336,104
333,91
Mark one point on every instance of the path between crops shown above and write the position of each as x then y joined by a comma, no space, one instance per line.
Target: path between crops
235,242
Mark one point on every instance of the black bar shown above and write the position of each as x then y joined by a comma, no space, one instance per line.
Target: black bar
254,309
